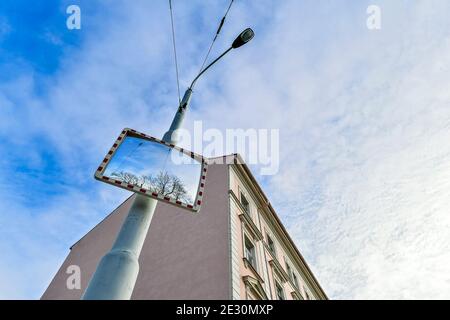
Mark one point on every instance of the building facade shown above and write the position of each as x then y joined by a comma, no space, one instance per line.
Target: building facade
235,248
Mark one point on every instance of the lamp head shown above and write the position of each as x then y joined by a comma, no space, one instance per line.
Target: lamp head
243,38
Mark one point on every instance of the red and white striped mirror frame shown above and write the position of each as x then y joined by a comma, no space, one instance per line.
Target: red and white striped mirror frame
121,184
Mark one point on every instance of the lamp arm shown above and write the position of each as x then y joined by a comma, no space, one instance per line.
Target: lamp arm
209,65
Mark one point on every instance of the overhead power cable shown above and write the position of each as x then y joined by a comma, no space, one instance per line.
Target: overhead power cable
215,37
175,51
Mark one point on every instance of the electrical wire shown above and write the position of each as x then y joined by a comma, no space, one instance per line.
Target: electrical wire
175,50
215,37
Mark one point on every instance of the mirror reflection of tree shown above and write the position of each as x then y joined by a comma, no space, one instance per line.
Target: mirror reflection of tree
163,183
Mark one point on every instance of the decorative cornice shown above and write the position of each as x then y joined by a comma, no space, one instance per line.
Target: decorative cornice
279,270
252,268
256,285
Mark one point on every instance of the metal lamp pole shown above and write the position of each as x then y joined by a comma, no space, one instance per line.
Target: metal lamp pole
117,272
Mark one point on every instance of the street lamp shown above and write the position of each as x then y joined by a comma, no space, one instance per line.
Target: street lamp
244,37
116,273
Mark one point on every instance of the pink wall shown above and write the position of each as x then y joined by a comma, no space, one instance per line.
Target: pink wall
185,256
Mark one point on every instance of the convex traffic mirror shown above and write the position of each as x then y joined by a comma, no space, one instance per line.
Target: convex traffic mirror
151,167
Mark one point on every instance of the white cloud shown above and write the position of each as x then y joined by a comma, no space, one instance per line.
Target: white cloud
366,156
364,119
365,123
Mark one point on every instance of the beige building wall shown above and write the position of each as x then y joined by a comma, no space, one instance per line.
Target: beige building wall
285,267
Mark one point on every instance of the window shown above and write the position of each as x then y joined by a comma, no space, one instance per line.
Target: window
294,279
280,291
271,245
250,252
288,270
245,203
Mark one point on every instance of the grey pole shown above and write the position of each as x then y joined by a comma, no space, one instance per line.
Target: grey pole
171,135
117,272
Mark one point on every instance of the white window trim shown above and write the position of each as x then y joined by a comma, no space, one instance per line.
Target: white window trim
270,237
288,268
280,285
255,258
242,192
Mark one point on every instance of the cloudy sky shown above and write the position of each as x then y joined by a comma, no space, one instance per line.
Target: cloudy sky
364,120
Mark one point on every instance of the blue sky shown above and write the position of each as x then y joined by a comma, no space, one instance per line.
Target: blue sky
364,119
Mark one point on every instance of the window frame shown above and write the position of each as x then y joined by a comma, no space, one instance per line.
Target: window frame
295,280
272,248
288,269
254,261
307,296
247,209
279,286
